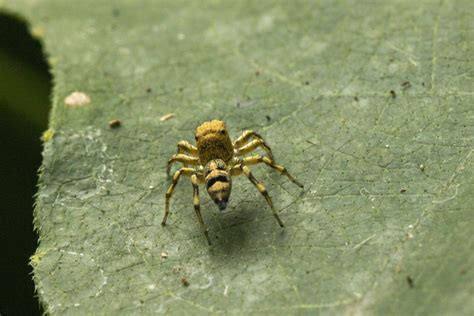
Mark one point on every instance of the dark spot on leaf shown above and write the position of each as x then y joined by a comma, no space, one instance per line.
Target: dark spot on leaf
406,84
184,281
115,123
148,90
268,118
393,94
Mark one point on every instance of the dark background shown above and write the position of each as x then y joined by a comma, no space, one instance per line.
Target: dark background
25,86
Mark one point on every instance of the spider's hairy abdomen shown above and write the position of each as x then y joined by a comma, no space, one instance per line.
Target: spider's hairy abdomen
218,182
213,142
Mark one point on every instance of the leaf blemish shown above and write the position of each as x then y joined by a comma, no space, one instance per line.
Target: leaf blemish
184,281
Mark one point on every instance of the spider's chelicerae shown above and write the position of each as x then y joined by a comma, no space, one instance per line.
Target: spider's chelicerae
215,161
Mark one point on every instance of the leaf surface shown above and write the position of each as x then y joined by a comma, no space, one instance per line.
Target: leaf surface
384,223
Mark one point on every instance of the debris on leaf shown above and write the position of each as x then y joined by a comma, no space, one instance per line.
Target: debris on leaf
47,135
167,117
406,84
36,258
77,99
37,32
422,167
184,281
164,255
114,123
177,269
403,190
393,94
410,282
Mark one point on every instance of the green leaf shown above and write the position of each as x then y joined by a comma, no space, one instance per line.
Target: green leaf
384,223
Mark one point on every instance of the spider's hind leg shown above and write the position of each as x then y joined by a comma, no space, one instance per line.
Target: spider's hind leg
261,188
197,207
169,192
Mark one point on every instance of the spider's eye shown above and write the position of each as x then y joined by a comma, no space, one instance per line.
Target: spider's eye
223,132
196,138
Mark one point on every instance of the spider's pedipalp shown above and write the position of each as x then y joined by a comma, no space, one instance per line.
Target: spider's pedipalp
185,159
261,188
197,207
259,159
187,172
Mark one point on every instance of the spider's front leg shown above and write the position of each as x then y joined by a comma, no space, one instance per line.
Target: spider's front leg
187,172
242,145
185,159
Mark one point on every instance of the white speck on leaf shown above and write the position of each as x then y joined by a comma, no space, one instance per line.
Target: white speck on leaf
167,117
77,99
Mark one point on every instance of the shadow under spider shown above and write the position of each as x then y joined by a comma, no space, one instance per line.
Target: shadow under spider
235,231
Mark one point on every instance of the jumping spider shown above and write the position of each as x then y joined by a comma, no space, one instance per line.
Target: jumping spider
215,162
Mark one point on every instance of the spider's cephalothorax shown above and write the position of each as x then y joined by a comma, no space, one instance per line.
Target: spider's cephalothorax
216,160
